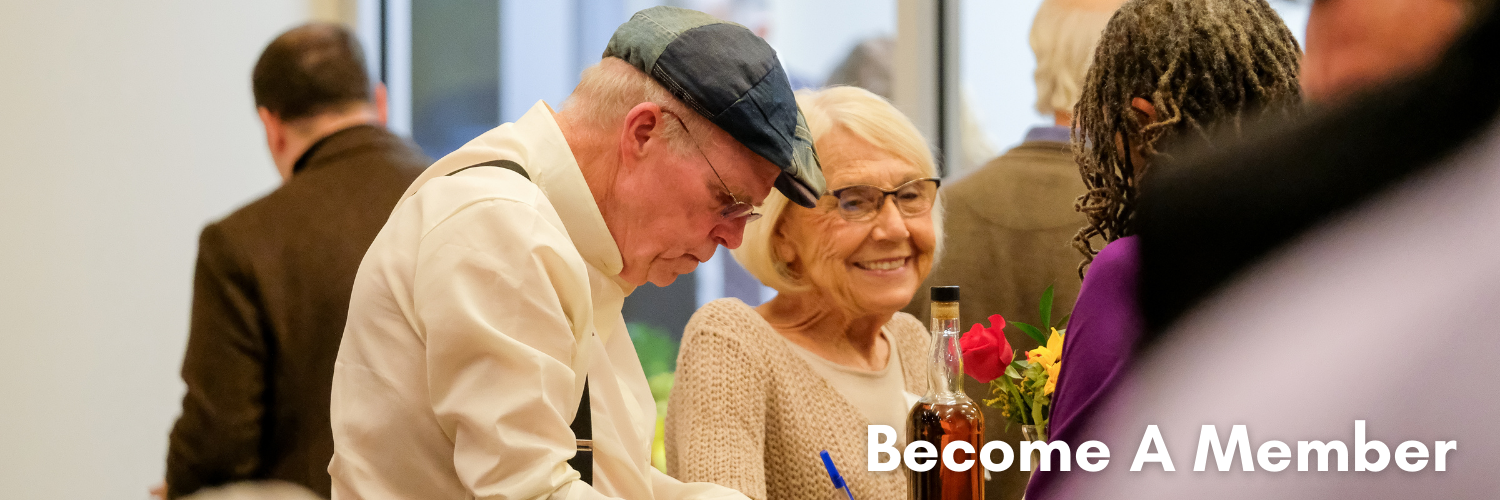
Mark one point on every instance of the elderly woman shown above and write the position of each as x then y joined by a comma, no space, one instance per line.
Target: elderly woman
761,390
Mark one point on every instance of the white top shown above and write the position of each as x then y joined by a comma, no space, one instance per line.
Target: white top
473,317
879,395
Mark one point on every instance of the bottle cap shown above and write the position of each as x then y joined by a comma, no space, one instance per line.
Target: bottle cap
945,294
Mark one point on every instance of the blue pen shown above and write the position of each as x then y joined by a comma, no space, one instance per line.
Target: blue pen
833,473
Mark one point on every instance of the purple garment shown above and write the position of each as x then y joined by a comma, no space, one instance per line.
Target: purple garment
1100,339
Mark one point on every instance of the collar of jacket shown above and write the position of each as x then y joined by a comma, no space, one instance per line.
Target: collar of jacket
307,156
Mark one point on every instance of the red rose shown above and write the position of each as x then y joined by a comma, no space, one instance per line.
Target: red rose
986,352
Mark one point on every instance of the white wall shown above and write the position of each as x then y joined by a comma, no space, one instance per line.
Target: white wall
124,128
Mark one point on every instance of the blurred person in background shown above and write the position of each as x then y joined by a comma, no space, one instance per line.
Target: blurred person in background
1356,287
1012,219
271,289
1357,44
485,354
1167,73
760,391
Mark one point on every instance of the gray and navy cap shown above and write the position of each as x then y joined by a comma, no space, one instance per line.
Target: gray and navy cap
732,77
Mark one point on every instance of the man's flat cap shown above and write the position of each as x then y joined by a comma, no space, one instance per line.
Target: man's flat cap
732,77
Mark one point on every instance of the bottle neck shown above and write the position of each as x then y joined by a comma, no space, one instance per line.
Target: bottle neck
947,356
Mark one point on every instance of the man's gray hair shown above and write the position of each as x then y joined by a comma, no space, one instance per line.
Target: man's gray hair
1063,37
607,91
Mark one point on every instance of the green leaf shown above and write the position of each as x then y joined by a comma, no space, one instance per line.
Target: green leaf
1062,322
1010,371
1047,309
1031,331
656,350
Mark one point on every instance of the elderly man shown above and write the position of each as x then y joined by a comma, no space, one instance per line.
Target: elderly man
485,342
1014,218
273,279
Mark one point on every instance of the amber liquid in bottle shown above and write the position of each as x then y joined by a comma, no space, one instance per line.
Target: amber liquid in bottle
946,415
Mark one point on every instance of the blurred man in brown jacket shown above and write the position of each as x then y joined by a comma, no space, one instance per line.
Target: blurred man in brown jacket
1009,224
272,285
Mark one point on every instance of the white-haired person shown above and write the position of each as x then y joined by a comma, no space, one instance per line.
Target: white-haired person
761,390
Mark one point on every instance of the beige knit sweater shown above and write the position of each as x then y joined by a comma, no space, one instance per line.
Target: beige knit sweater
748,413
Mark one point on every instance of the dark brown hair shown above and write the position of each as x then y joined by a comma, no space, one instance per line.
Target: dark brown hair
1204,65
308,70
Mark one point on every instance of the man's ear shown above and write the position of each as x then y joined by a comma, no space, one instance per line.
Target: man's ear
379,100
1145,108
276,141
643,124
276,130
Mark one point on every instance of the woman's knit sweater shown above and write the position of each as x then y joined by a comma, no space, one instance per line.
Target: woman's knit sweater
749,413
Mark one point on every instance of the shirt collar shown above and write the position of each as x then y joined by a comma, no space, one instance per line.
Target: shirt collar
1049,134
554,169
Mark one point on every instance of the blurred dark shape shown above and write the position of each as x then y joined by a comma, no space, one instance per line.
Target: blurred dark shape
1247,202
273,279
1353,279
1355,44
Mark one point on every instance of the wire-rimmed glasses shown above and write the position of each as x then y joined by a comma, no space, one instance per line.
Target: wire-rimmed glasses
737,209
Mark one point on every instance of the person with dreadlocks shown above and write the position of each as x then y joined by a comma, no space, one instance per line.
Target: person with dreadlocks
1165,73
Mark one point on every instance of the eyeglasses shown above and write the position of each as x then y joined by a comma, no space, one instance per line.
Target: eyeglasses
861,202
737,209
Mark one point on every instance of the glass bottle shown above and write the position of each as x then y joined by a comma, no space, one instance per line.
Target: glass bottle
946,414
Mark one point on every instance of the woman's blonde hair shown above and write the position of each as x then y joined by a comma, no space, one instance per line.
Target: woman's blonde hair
870,118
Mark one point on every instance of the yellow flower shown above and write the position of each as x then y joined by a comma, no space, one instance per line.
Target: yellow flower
1051,378
1047,355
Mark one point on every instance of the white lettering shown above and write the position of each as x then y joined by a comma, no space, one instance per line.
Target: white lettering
1440,451
1303,447
1238,440
1064,461
1090,451
948,456
1007,453
1152,440
917,450
1264,456
883,442
1403,456
1362,450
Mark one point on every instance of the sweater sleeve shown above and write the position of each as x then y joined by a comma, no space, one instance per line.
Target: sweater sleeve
716,416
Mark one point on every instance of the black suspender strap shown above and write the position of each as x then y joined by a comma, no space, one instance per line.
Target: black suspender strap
583,421
583,431
505,164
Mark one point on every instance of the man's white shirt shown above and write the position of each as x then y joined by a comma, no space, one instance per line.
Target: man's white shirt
473,317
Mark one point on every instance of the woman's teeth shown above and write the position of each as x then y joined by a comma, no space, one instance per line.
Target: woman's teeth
881,265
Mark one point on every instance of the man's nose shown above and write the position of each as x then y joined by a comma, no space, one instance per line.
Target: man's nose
729,233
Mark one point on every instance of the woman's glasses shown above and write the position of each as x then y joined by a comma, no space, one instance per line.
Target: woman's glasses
861,202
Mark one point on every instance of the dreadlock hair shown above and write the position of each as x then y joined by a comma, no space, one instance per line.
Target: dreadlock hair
1204,65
